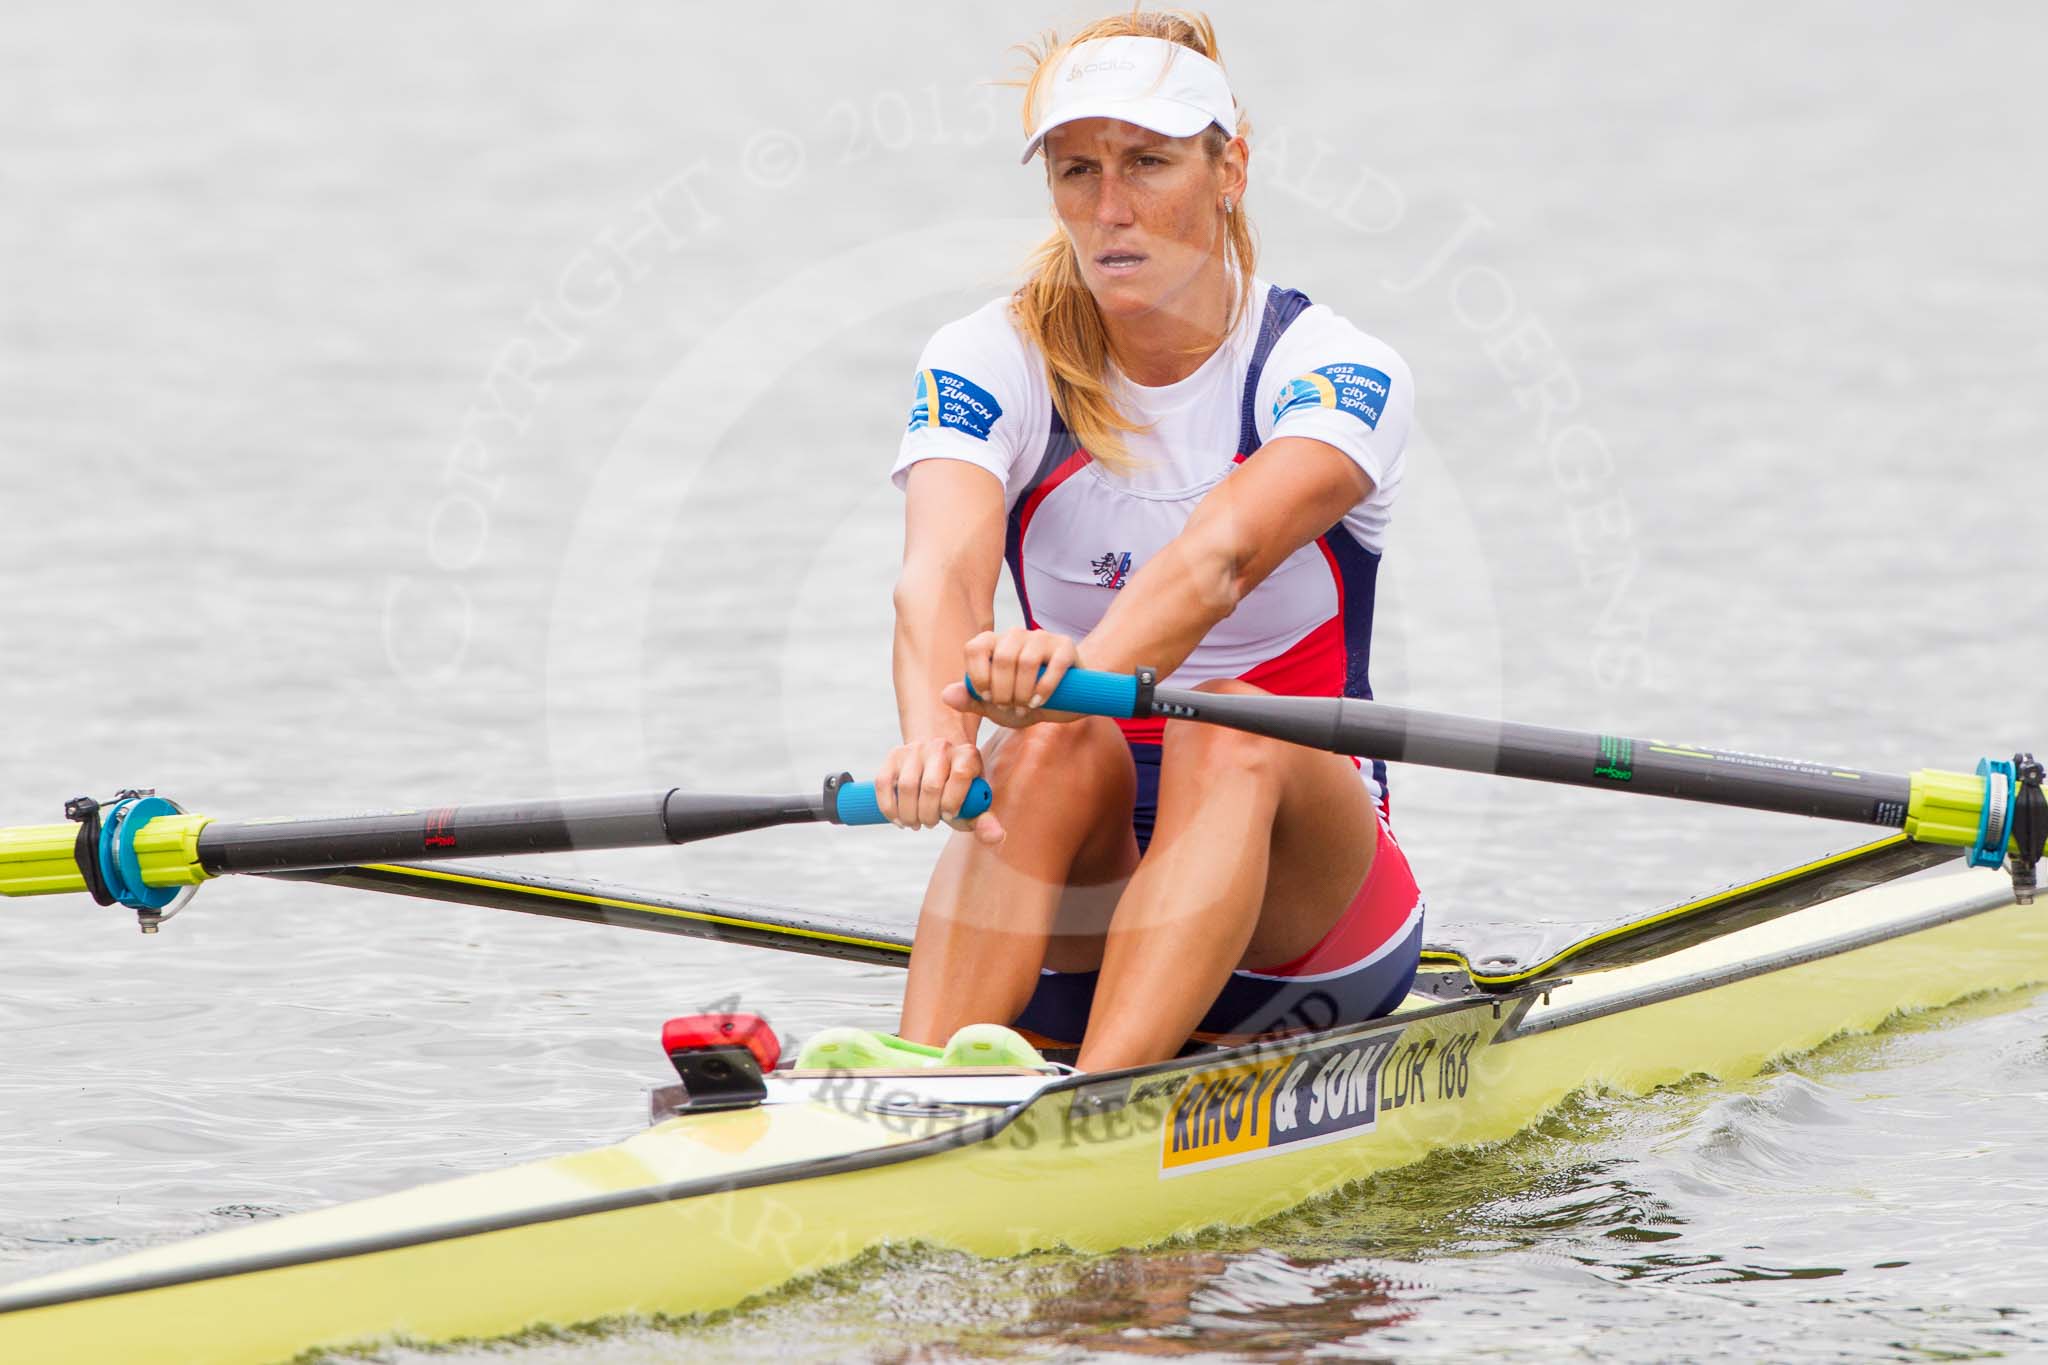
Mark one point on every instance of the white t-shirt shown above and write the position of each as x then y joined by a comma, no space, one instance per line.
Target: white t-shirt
1078,532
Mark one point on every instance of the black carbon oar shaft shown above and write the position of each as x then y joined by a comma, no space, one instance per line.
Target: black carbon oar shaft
1508,749
510,827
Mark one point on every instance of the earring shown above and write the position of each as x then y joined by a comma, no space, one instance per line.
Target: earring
1226,203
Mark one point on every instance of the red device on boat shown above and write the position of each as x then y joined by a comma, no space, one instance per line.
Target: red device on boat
721,1058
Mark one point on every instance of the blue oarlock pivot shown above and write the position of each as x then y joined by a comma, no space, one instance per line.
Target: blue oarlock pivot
2001,792
120,868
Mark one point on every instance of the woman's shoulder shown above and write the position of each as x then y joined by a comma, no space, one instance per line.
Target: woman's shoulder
1331,380
990,332
980,394
984,362
1321,334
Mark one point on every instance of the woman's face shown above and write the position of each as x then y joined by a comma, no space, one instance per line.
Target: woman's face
1144,211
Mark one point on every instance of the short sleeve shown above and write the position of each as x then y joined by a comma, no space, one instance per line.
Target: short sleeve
1329,381
970,396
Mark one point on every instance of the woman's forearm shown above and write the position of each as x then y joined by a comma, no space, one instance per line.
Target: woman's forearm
1167,608
1280,500
936,613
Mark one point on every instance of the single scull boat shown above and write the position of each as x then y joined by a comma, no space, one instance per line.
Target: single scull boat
752,1175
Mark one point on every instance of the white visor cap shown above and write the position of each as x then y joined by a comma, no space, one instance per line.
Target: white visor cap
1171,89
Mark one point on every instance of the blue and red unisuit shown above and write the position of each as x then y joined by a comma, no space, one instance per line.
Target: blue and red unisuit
1365,965
1078,532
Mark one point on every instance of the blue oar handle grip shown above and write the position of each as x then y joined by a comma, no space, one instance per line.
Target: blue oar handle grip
1090,692
853,803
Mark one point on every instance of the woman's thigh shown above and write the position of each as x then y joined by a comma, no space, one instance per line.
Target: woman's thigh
1069,797
1308,814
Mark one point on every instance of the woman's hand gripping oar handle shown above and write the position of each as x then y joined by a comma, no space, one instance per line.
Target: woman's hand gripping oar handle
855,804
1090,692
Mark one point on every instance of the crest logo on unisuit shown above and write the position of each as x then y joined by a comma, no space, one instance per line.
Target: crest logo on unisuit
1357,389
1243,1113
1112,569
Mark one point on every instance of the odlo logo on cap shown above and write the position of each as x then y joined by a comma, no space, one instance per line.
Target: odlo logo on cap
1088,68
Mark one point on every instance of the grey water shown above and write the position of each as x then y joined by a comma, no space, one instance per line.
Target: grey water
405,404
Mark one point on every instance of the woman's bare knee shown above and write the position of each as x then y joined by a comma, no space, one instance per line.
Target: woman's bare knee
1086,750
1217,748
1064,793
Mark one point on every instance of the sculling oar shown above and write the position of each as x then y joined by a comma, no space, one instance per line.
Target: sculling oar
718,919
722,919
141,850
1999,814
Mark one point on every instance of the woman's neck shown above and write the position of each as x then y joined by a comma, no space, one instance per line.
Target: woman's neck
1170,342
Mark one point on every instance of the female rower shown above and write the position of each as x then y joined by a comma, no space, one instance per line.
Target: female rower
1187,469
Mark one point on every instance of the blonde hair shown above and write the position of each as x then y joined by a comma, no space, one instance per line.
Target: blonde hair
1053,308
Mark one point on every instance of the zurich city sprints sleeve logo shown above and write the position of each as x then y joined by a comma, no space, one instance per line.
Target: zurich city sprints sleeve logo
1357,389
945,399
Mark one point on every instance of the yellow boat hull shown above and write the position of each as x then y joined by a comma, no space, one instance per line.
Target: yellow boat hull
703,1210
